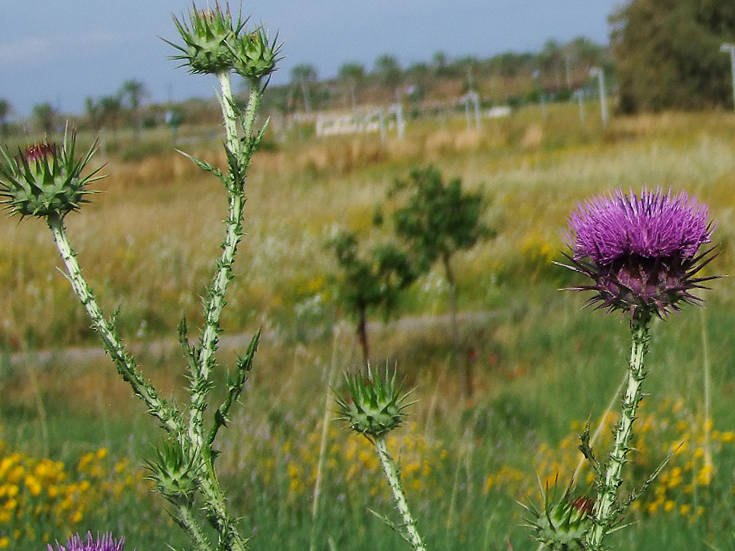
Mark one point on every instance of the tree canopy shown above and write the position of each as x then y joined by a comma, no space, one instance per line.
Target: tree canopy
668,54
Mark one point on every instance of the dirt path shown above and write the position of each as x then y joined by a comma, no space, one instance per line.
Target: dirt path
79,357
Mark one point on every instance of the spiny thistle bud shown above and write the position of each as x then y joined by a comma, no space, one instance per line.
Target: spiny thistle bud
641,251
175,473
376,405
45,180
206,39
254,56
561,526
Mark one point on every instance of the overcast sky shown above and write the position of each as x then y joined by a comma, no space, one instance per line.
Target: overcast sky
63,51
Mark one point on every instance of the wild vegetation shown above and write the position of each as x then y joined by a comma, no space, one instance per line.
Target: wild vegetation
541,365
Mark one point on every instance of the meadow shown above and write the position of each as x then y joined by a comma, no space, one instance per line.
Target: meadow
74,440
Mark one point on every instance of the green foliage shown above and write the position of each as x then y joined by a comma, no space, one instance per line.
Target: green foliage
369,281
373,280
668,53
438,219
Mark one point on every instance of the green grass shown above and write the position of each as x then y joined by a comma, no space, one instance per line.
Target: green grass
541,362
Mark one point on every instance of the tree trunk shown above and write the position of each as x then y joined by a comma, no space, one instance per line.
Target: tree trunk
362,335
465,374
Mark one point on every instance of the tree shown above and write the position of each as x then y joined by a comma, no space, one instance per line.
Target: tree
104,111
134,91
352,74
437,221
668,53
5,109
46,116
302,74
389,72
369,281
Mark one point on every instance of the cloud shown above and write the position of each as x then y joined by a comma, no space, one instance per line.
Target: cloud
38,50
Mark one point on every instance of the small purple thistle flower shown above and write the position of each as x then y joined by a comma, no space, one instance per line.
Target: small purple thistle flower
104,543
641,251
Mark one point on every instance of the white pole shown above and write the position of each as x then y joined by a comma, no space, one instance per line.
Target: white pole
580,98
600,74
731,49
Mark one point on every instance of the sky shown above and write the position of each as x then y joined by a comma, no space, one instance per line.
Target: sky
63,51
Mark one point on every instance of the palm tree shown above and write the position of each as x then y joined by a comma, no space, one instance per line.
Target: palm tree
302,74
352,74
389,72
135,91
45,114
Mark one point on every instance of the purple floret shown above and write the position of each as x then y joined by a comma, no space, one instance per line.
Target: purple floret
652,225
642,252
104,543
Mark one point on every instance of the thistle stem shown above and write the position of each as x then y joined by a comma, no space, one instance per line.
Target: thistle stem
409,532
239,154
126,365
606,507
233,233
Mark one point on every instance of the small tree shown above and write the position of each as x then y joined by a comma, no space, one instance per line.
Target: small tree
371,281
438,220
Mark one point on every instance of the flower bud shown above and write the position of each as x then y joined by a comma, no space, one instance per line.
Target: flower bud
254,56
175,474
206,39
45,179
562,526
376,406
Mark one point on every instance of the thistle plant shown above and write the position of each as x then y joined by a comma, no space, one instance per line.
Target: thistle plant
46,181
101,543
375,406
642,255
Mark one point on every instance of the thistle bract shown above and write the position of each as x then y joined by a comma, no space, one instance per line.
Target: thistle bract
376,405
175,473
102,543
561,525
206,39
254,57
45,179
642,252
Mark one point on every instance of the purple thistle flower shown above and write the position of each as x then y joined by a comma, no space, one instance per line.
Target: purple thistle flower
642,252
104,543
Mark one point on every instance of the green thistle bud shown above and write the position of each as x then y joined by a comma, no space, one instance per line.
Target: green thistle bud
206,39
563,525
376,406
45,180
254,56
175,473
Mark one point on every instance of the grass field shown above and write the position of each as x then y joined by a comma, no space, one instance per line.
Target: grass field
542,364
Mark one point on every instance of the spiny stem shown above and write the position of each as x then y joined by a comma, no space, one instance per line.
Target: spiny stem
228,111
606,507
183,516
394,481
239,154
233,233
126,365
